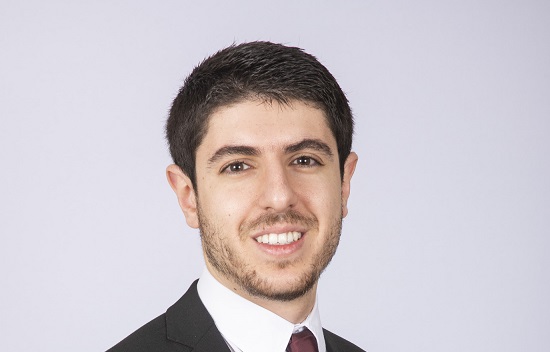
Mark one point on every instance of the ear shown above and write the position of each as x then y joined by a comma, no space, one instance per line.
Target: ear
349,169
182,186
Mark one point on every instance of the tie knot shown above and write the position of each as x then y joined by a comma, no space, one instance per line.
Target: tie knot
302,341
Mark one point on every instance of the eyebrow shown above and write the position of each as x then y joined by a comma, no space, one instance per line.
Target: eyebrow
313,144
233,150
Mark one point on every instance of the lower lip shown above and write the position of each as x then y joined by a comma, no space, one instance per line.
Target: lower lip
281,249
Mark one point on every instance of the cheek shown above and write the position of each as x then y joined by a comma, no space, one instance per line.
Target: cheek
323,197
227,206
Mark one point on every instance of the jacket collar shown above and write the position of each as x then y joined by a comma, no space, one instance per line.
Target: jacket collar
189,323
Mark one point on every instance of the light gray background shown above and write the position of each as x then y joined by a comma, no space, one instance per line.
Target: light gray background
446,244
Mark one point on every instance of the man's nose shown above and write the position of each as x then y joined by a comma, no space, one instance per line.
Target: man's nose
277,192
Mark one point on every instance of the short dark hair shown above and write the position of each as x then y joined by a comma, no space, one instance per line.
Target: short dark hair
255,70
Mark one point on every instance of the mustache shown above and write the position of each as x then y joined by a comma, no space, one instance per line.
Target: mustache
288,217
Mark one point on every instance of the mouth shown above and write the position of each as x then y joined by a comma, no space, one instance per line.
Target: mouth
279,239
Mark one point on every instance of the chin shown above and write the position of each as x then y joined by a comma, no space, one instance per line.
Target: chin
279,288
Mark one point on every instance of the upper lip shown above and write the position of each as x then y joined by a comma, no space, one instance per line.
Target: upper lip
279,229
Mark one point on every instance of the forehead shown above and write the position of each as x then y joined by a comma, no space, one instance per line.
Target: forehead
265,125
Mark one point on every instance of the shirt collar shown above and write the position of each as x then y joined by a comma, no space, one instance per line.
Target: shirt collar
248,326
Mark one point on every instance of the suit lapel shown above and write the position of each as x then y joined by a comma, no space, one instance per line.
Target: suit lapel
211,341
189,323
329,343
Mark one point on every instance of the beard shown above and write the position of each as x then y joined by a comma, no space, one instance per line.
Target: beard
234,266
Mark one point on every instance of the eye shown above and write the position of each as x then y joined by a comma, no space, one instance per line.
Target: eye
235,167
305,161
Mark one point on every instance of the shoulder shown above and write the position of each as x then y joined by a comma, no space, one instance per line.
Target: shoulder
337,344
179,329
186,326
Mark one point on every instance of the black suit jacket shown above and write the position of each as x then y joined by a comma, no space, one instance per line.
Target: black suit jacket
187,326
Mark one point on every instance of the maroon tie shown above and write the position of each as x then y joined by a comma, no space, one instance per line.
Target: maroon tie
302,341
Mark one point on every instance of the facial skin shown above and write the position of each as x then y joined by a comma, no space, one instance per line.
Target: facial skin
266,168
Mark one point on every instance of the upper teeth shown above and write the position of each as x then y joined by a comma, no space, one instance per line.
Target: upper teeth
279,238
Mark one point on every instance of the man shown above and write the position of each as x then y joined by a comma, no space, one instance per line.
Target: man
261,136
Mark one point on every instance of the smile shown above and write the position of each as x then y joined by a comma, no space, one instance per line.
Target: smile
279,238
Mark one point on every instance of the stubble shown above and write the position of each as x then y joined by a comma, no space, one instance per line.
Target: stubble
233,265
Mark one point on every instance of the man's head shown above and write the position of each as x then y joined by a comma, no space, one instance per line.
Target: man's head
258,71
261,135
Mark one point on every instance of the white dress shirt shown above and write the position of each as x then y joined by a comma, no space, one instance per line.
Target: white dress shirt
247,327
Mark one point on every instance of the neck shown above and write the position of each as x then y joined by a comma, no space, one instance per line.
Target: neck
295,311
